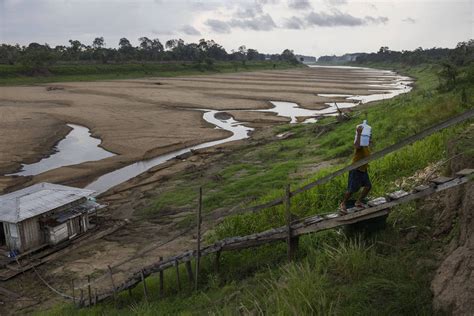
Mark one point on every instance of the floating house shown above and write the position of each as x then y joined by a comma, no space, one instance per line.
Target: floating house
44,214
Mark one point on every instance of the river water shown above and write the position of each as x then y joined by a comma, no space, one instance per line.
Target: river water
77,147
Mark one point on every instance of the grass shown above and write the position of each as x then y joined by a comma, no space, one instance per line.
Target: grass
383,273
20,75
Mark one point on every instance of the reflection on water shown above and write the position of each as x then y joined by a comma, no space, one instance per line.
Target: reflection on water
77,147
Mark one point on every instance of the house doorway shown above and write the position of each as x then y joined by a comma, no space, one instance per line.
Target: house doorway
2,235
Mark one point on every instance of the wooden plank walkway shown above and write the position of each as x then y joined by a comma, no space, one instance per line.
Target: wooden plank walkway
376,208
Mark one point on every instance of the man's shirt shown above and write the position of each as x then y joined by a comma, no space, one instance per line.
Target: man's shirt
361,153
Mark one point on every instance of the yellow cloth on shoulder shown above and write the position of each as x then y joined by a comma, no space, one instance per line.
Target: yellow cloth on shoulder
361,153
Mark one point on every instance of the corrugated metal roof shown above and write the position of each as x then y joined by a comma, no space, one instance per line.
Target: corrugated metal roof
37,199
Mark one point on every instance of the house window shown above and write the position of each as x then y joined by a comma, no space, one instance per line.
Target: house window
13,230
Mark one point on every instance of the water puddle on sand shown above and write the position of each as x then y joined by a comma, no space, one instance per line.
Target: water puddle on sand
77,147
119,176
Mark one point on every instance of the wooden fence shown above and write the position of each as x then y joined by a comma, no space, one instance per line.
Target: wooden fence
291,232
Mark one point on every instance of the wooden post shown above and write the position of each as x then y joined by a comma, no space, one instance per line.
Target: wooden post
177,274
73,292
113,284
162,288
198,254
189,269
89,292
81,302
96,298
291,241
145,290
217,261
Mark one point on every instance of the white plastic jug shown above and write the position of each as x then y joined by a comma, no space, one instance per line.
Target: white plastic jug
365,135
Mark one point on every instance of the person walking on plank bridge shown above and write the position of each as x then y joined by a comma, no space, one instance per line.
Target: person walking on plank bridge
359,178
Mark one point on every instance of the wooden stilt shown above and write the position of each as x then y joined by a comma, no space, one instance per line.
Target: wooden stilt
113,284
198,254
89,291
81,302
189,269
73,292
217,261
162,287
145,289
292,242
178,281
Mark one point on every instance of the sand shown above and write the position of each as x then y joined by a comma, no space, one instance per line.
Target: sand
146,117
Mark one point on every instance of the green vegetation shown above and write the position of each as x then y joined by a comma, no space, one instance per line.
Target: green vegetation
20,74
383,273
38,63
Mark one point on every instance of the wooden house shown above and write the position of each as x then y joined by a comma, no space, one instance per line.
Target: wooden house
44,214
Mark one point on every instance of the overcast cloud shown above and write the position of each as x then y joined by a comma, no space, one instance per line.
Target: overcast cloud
312,27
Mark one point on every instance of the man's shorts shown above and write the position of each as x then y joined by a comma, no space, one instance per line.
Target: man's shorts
358,179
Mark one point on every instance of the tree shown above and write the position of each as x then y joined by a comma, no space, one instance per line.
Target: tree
448,76
75,49
288,56
252,54
98,43
37,56
125,48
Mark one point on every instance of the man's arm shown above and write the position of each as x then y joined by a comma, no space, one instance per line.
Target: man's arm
357,141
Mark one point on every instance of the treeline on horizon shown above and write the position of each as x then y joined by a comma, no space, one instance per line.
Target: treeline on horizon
149,50
455,62
461,55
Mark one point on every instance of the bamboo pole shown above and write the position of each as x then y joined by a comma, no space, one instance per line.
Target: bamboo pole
198,254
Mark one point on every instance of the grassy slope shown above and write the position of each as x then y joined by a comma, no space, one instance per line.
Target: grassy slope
385,274
16,74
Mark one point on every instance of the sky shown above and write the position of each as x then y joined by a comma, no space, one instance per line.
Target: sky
309,27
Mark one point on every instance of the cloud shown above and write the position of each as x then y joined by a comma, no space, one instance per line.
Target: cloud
267,1
376,20
337,18
218,26
336,2
409,20
299,4
249,12
190,30
294,23
260,23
